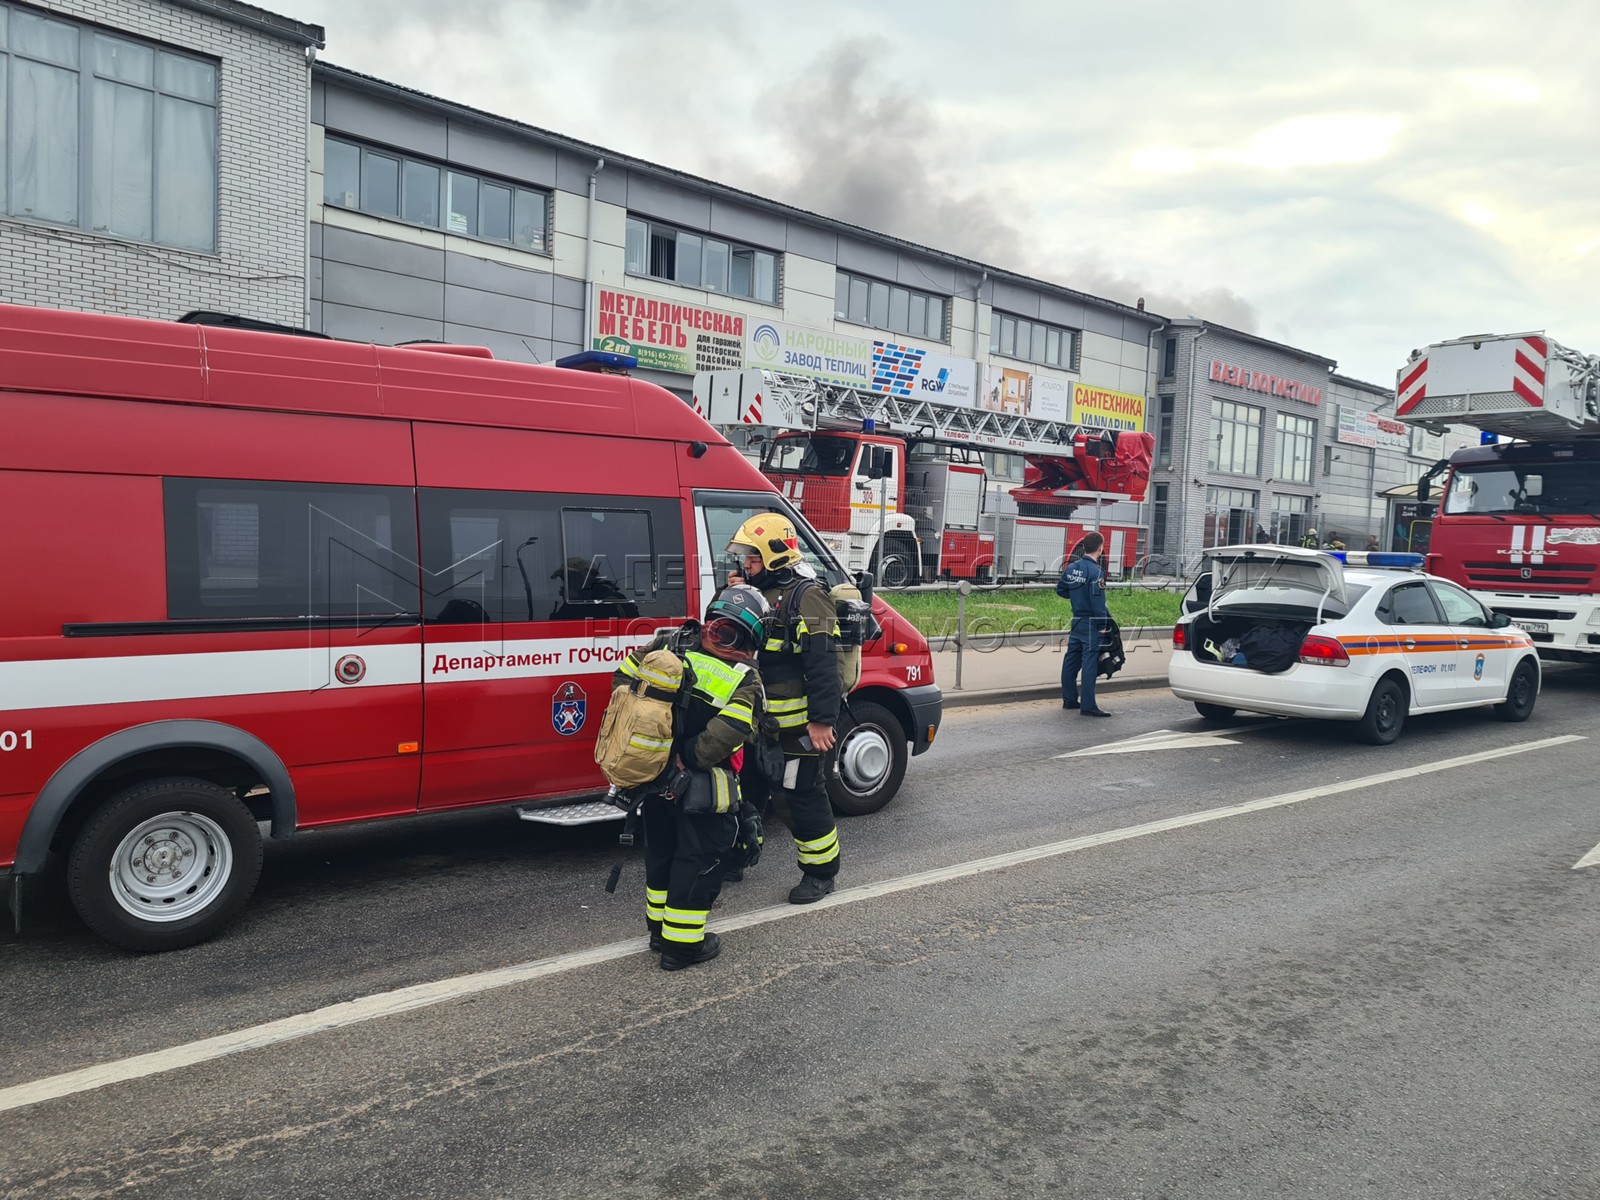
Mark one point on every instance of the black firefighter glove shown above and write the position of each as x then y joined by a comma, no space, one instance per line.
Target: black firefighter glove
750,834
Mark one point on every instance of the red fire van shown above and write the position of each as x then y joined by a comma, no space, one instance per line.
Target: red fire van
252,577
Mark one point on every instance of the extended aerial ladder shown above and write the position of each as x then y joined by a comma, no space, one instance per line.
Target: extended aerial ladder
927,512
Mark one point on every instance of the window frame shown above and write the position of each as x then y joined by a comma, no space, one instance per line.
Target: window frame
86,73
1166,418
846,283
482,184
731,251
1225,422
1007,327
1294,431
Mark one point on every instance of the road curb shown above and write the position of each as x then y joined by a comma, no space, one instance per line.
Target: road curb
986,696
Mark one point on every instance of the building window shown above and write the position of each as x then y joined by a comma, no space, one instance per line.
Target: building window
863,301
699,260
1164,417
1291,519
1297,439
1235,444
1158,518
1032,341
1230,516
1169,358
401,188
107,133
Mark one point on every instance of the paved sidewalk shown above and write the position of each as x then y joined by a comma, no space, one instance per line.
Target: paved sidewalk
992,674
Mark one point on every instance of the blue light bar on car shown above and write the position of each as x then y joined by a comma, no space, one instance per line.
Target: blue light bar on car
1379,558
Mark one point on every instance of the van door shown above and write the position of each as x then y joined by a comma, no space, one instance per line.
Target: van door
532,598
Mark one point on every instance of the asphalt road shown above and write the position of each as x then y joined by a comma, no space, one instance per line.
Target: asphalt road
1385,983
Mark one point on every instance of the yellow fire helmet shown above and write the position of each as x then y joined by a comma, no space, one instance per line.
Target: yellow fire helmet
772,536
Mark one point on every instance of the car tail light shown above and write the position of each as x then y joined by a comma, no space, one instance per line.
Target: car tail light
1323,652
1180,637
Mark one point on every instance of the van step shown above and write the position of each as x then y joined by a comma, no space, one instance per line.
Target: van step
590,812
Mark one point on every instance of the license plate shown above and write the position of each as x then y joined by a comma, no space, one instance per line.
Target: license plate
1532,626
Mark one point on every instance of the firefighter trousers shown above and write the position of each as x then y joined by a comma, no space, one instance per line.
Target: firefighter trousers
684,856
803,808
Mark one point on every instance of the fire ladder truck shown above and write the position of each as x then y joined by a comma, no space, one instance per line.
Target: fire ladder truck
1518,518
896,485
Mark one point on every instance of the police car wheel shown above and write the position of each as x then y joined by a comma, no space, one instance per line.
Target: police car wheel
1385,715
868,760
1520,695
164,864
1214,712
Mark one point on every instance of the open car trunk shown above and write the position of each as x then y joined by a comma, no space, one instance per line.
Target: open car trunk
1268,644
1256,603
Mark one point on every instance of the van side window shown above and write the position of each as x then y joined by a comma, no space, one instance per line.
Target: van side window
525,556
248,549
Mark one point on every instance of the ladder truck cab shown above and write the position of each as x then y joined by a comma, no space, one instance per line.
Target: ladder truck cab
1518,518
898,486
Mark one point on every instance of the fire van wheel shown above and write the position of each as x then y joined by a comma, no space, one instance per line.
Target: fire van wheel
1386,714
1214,712
869,760
1524,690
164,864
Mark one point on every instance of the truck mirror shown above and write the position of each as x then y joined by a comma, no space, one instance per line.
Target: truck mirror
1424,488
875,462
1533,485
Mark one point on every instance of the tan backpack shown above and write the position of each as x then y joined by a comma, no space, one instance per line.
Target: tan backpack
857,626
635,742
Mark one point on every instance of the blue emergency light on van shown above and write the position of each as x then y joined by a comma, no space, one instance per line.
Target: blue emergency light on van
598,360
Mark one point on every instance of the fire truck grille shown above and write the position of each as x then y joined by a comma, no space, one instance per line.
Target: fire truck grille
1519,577
1523,613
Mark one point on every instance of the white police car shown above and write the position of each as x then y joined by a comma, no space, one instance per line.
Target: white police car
1365,637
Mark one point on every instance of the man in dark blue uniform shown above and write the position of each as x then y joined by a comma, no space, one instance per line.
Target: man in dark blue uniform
1084,583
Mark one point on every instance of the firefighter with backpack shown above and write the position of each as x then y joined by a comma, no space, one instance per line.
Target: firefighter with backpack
800,674
708,696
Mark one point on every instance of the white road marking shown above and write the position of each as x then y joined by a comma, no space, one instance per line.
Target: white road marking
407,999
1588,860
1164,739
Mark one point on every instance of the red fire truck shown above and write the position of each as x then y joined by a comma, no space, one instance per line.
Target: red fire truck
257,577
1518,520
897,486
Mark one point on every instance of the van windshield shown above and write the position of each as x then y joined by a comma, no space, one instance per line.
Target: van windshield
811,454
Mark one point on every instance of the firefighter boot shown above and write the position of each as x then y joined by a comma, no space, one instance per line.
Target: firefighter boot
810,889
658,944
672,960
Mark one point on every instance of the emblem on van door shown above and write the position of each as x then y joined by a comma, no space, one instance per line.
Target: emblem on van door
1477,668
352,668
568,709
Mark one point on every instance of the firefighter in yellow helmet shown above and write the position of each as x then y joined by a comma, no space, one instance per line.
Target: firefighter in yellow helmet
801,680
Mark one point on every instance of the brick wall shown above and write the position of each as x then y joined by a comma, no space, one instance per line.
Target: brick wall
259,269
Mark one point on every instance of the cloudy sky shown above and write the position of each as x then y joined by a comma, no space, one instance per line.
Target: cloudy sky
1353,177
